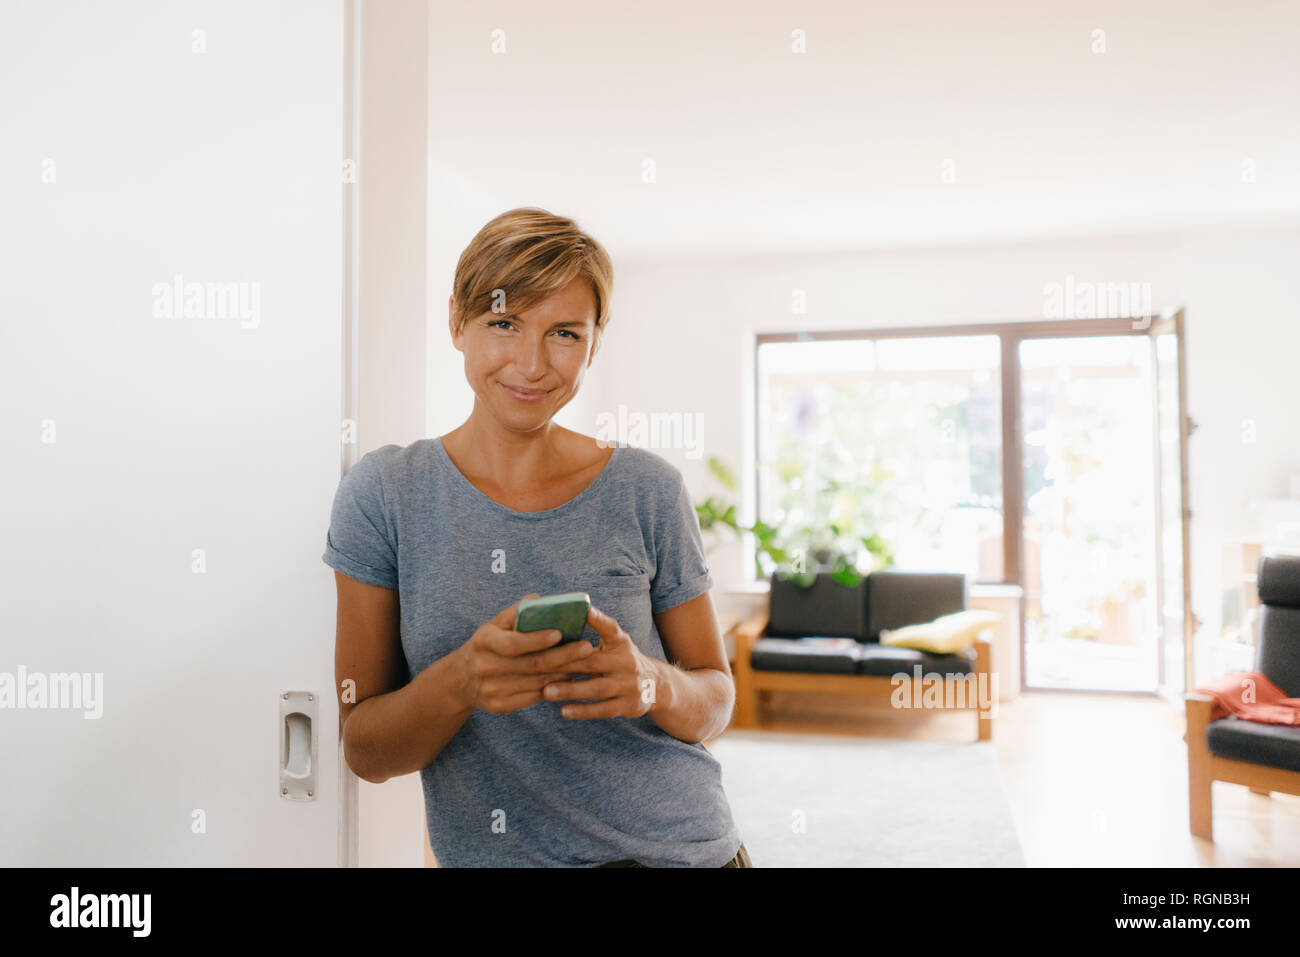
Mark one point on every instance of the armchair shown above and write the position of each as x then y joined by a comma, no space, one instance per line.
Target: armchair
1263,757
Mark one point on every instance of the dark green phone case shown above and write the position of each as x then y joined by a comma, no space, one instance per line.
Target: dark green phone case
567,612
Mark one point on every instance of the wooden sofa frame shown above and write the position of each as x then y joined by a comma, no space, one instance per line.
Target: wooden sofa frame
751,682
1204,768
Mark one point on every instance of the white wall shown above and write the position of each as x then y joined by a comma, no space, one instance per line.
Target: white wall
394,229
681,340
840,142
394,220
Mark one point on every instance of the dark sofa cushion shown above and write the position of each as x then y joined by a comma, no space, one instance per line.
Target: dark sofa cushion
827,608
797,654
1274,745
886,661
1278,580
896,599
1278,655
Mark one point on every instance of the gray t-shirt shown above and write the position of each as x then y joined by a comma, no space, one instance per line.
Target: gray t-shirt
532,787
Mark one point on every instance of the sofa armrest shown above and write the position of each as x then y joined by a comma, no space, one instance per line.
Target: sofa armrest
1200,773
983,646
1198,706
748,633
742,673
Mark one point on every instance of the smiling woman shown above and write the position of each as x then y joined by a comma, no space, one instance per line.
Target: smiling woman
532,752
529,302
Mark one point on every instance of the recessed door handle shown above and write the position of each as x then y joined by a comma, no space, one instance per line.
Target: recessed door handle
298,746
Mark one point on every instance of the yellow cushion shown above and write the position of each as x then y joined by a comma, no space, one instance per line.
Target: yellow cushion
945,635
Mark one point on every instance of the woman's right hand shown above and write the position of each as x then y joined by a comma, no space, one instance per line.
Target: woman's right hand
501,670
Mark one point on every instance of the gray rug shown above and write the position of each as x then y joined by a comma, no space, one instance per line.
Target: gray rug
810,800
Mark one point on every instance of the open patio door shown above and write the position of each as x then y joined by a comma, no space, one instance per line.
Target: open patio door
1172,427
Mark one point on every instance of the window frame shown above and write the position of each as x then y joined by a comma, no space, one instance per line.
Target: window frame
1011,334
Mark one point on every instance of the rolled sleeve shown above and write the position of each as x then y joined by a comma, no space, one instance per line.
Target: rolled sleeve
359,542
682,572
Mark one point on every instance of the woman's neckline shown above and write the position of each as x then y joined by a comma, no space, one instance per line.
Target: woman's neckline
474,490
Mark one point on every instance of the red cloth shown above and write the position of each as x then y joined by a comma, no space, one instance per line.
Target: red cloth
1250,695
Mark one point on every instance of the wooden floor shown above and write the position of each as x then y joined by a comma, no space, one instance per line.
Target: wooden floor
1092,780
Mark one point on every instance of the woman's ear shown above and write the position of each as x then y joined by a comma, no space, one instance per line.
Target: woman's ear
453,321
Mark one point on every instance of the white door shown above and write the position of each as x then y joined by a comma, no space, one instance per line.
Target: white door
171,353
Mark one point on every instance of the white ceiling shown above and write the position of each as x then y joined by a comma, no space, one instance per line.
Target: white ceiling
760,150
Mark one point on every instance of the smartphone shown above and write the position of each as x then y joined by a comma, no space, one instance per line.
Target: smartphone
567,612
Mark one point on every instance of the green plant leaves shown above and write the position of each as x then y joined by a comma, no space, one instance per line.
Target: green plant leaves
830,539
722,472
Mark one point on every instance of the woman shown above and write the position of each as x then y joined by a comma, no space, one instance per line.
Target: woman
523,762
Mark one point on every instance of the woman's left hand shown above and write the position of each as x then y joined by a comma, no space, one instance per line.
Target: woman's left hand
623,681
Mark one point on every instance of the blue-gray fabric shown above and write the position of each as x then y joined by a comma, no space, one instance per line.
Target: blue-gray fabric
532,787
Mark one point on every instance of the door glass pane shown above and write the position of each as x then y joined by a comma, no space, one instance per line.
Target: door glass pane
900,436
1090,521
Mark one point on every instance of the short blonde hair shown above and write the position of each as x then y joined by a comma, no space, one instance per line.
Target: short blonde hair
527,254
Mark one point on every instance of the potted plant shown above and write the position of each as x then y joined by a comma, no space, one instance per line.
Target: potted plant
796,553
